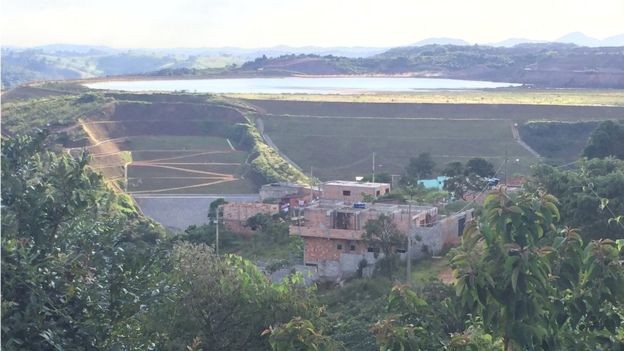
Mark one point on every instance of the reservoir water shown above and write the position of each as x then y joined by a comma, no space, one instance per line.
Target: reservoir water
295,85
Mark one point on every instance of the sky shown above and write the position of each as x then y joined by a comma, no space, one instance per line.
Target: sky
264,23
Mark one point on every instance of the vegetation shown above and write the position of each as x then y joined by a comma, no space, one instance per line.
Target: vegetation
270,243
221,303
418,168
383,234
469,178
27,65
606,140
560,141
590,196
264,160
78,262
50,112
535,286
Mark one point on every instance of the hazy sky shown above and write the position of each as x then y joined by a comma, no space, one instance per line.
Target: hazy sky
259,23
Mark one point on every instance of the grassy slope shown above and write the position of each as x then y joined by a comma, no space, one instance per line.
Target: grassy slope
350,144
307,128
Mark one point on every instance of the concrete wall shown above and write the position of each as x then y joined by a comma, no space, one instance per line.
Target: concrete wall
279,190
346,266
431,240
180,211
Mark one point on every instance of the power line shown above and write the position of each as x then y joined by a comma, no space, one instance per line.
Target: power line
487,186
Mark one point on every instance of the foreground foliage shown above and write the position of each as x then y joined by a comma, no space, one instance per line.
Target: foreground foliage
591,197
76,259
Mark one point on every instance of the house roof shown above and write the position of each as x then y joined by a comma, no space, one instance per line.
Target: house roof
355,184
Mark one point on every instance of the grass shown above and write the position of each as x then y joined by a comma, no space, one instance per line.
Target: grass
191,156
574,97
424,271
178,143
181,164
341,148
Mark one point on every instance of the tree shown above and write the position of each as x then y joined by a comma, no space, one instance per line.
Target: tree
382,177
606,140
461,185
382,233
420,167
77,260
472,178
222,303
418,321
590,196
480,167
212,211
300,334
453,169
531,284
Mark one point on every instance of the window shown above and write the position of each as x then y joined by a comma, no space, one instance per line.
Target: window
352,247
339,246
373,249
378,193
346,193
400,251
460,226
387,191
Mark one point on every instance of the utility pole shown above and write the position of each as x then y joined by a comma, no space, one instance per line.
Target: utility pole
409,243
505,165
217,238
373,166
411,190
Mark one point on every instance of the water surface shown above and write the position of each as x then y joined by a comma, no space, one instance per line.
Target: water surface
298,85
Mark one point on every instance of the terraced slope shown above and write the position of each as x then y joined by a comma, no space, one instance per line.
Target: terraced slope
161,148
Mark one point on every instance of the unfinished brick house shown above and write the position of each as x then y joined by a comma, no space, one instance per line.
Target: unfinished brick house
236,214
350,192
332,233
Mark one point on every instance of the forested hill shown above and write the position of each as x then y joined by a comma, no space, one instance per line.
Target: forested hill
544,65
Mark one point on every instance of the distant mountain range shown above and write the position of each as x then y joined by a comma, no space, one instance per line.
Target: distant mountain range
576,38
69,61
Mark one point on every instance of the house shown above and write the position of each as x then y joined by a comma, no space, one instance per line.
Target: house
332,232
236,214
351,191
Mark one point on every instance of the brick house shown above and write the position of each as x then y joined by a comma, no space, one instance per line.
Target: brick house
236,214
332,233
350,192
